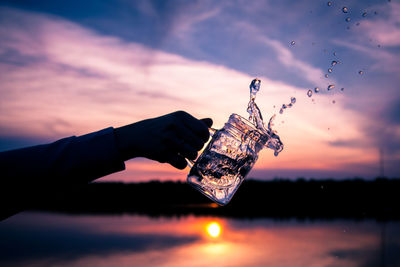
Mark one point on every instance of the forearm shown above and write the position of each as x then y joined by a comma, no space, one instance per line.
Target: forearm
31,173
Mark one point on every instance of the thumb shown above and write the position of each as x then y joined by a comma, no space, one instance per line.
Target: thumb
208,122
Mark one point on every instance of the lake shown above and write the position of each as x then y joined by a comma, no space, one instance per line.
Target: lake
56,239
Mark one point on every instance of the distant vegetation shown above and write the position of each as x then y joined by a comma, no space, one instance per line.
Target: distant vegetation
355,198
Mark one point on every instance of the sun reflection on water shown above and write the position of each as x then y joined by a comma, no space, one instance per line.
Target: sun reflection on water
214,229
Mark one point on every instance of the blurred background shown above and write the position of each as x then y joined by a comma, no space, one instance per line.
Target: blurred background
73,67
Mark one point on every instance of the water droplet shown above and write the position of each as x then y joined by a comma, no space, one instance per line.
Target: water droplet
254,88
290,105
316,89
334,53
347,19
292,43
284,106
358,24
330,87
376,13
333,101
364,14
280,111
334,62
309,93
326,75
330,70
274,106
342,89
292,100
345,10
329,3
361,72
379,45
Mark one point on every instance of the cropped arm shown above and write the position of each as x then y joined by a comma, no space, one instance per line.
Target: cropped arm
30,174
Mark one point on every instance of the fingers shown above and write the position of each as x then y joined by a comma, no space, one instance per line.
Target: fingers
198,127
183,148
184,137
177,161
208,122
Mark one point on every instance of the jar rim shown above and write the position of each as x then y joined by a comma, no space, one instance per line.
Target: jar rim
249,125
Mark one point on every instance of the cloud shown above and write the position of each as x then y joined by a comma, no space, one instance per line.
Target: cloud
59,78
386,30
286,57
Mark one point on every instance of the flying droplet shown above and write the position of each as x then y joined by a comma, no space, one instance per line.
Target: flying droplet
361,72
345,10
379,45
330,70
334,62
347,19
289,105
309,93
316,89
284,106
330,87
334,53
292,43
375,12
364,14
329,3
342,89
292,100
358,24
281,111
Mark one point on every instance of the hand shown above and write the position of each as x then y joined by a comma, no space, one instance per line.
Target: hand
170,138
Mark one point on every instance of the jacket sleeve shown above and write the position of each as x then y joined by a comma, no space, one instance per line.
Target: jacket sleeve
33,172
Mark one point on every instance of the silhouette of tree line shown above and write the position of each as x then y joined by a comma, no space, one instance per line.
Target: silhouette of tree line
355,198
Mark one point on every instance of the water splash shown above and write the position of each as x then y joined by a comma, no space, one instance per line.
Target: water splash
255,117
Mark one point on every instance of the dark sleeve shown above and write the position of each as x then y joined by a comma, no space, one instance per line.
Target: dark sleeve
31,174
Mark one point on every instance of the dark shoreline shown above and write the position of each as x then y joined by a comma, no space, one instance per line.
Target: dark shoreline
282,199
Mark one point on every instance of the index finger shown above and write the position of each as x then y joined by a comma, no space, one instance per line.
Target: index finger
198,127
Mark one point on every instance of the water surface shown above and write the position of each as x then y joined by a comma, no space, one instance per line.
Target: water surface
38,239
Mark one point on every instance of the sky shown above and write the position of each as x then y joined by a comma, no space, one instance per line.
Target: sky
72,67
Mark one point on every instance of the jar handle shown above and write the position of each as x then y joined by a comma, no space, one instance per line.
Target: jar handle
190,163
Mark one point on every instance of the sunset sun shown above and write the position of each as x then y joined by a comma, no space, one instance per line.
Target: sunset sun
214,229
